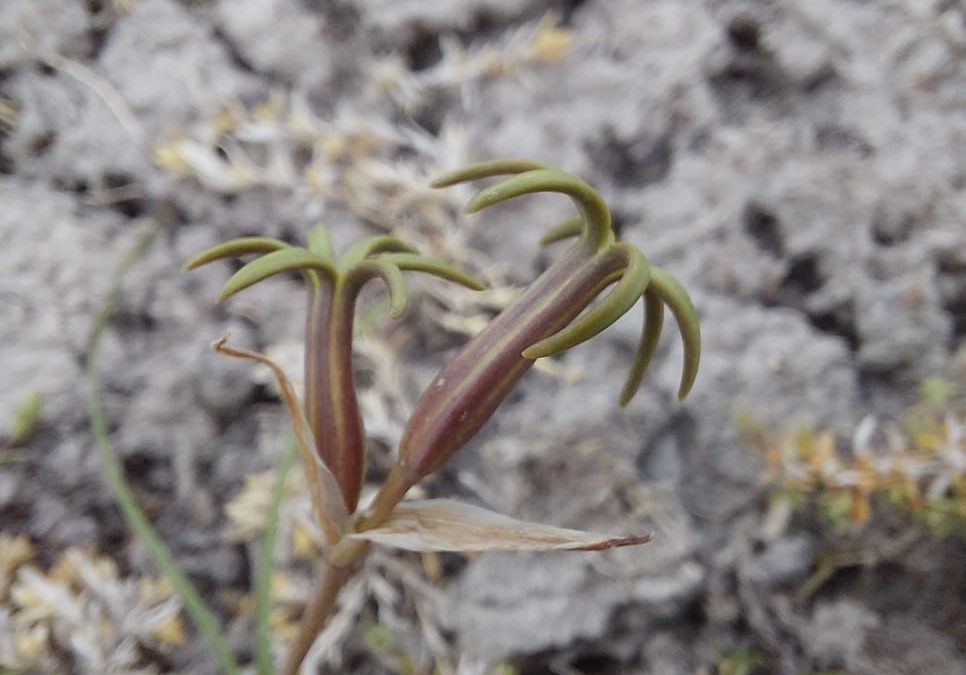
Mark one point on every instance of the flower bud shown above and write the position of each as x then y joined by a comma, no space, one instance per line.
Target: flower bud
465,394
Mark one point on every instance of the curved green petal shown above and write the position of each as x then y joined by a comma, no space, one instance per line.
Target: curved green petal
496,167
572,227
320,243
677,299
409,262
650,334
361,250
630,287
390,274
286,260
233,248
592,207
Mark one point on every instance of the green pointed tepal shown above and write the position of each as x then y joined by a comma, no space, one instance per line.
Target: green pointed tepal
284,260
330,399
235,248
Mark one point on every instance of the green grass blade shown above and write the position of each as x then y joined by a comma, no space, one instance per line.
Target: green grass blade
205,620
266,566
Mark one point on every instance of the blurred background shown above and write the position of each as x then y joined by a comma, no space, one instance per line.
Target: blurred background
798,166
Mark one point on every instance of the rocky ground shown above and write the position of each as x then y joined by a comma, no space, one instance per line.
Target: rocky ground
798,166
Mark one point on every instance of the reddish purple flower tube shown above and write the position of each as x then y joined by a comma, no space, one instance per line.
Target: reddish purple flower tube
542,321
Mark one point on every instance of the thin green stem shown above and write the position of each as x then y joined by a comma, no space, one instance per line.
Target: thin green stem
194,605
266,566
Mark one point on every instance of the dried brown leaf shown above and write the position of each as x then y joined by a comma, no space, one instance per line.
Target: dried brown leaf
448,525
323,487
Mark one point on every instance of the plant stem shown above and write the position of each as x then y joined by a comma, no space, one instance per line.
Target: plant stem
317,613
266,565
194,605
391,492
341,560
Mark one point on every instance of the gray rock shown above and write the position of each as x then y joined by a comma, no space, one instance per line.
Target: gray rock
168,68
785,561
64,130
50,292
837,631
402,20
35,29
664,596
904,645
509,604
665,655
296,50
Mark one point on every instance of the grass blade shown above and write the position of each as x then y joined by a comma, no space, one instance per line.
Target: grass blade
266,566
202,616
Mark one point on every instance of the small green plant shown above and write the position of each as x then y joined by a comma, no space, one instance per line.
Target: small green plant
382,643
25,422
553,314
27,418
914,463
741,661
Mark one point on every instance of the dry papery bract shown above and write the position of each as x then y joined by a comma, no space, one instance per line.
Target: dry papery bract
82,607
110,12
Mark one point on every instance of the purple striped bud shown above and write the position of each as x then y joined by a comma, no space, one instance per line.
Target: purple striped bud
546,319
